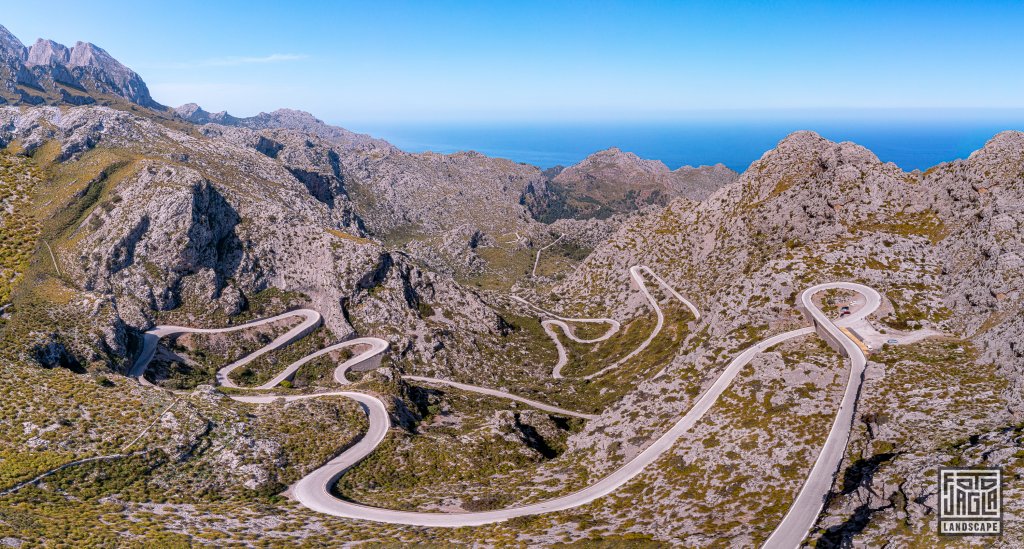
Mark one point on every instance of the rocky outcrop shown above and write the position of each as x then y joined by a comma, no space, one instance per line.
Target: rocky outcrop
612,181
941,246
204,228
51,73
286,119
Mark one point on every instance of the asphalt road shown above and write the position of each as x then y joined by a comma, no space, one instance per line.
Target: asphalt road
310,320
635,274
375,346
637,279
500,394
536,260
313,491
549,326
804,512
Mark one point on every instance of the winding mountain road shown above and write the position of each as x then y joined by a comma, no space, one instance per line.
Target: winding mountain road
636,275
313,490
536,260
804,512
560,322
310,320
500,394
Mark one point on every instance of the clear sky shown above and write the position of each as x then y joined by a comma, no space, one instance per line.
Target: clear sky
351,62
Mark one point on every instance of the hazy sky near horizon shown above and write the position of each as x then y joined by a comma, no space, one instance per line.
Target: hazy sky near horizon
457,61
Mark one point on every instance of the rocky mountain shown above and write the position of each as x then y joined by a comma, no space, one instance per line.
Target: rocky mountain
53,74
440,209
394,195
288,119
192,112
464,213
116,219
613,182
812,211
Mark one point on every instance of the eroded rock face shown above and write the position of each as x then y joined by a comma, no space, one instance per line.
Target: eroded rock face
613,182
48,52
189,229
197,222
941,246
80,75
204,228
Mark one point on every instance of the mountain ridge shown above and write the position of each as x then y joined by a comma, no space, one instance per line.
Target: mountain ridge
86,74
115,221
613,181
153,223
49,72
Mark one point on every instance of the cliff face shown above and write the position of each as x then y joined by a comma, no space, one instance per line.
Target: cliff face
201,228
51,73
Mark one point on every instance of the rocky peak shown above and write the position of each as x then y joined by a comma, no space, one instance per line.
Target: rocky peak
51,71
189,110
1009,142
802,138
719,167
87,54
295,116
10,46
195,114
613,181
805,144
805,155
47,52
808,187
615,158
993,171
292,119
286,119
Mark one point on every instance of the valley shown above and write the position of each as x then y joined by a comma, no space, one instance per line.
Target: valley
221,330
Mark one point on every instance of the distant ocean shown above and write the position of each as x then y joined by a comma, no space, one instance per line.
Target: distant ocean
910,144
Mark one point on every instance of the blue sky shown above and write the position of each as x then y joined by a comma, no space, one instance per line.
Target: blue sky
379,62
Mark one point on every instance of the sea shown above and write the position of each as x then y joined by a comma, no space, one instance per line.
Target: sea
911,144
